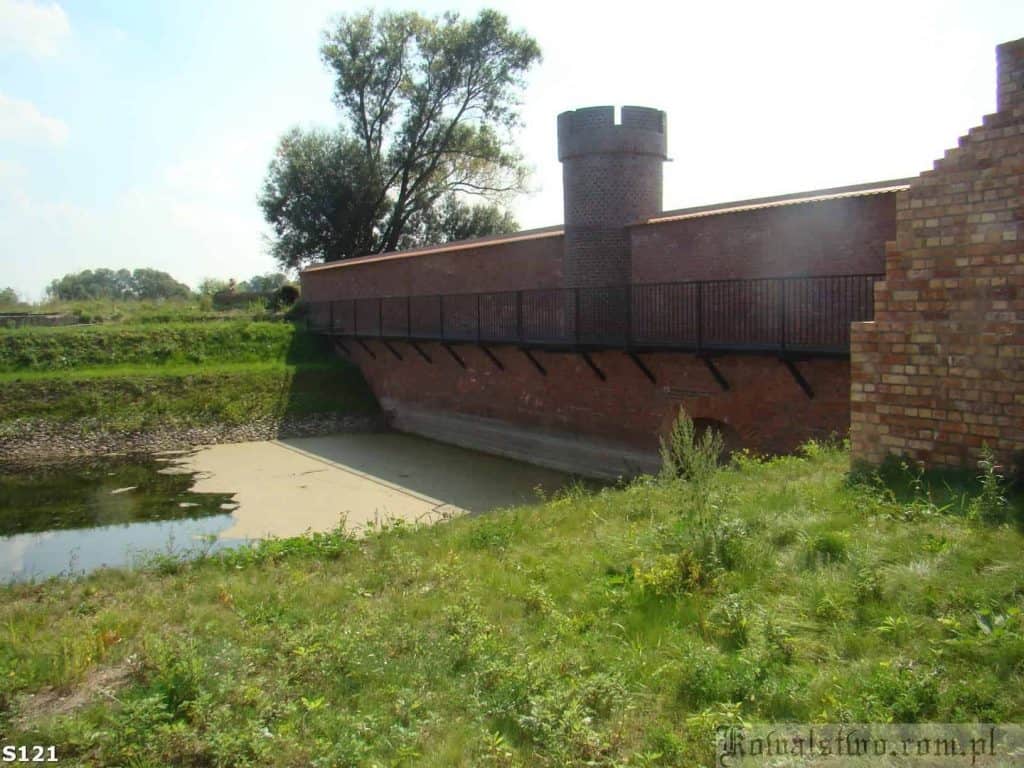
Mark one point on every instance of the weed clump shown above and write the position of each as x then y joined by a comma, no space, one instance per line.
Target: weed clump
681,573
825,549
688,456
991,504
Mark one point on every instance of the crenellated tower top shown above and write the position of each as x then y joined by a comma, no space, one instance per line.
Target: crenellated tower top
611,177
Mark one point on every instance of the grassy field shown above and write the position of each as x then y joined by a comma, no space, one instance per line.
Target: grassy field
145,311
140,398
232,341
148,376
604,628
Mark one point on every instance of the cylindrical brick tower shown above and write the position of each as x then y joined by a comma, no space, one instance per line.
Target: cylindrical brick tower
611,177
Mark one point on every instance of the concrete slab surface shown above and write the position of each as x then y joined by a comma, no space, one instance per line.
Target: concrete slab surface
287,487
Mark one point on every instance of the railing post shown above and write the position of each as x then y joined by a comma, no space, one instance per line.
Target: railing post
478,318
700,316
330,308
782,315
355,317
408,317
440,313
519,316
380,316
629,315
576,310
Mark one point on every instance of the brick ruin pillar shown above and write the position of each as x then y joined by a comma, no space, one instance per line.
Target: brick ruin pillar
940,371
612,177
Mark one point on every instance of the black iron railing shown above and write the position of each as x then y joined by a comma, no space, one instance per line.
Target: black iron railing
809,315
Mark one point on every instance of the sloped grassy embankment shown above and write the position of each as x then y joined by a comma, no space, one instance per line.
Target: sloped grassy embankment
597,628
142,387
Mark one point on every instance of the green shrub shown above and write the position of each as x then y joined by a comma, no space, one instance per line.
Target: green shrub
721,544
704,678
673,575
899,692
730,622
688,456
991,504
867,586
778,643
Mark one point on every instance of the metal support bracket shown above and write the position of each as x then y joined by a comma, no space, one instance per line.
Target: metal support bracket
799,378
419,349
366,349
642,366
713,369
391,349
494,358
536,363
455,355
593,366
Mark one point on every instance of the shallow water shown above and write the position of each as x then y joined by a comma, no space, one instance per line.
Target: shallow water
73,518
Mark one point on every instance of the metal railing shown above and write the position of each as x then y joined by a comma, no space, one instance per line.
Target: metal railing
788,314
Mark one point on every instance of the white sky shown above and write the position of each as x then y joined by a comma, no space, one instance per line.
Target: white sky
138,133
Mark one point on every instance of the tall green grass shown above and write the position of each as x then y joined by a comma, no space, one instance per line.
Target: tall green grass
606,628
71,347
144,311
179,396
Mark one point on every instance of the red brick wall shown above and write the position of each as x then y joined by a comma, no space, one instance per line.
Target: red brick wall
832,237
764,406
941,370
528,263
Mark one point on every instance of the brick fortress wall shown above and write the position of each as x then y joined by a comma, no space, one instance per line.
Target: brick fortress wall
764,408
526,260
829,237
940,371
567,416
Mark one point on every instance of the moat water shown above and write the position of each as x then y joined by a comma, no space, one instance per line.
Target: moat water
70,519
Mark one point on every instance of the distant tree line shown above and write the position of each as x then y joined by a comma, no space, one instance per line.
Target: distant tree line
271,281
117,284
143,284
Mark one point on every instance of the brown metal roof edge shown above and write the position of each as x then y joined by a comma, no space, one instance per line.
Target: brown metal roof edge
457,245
793,198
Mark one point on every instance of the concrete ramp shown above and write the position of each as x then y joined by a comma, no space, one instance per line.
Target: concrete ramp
563,451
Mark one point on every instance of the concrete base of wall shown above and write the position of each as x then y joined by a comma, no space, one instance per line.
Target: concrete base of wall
576,454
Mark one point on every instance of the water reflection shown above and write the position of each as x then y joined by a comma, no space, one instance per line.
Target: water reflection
69,552
110,491
73,518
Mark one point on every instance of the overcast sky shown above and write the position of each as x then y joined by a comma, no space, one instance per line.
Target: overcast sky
137,133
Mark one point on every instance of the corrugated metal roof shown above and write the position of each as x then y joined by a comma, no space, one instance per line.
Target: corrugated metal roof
797,198
459,245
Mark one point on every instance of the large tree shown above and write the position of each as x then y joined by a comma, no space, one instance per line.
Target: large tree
428,106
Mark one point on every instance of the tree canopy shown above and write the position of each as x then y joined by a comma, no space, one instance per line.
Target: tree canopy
428,109
271,281
119,284
9,297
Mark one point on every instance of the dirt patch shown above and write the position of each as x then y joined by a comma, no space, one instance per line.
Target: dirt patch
51,702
